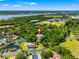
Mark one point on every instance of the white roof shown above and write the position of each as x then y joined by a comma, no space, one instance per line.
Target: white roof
39,56
3,41
0,43
39,35
28,43
30,57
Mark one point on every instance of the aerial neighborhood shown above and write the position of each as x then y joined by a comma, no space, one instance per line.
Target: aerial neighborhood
40,37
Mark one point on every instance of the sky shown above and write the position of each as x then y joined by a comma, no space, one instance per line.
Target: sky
39,5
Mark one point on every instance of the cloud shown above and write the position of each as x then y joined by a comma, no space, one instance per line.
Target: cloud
74,5
26,2
5,5
16,5
8,5
1,0
30,3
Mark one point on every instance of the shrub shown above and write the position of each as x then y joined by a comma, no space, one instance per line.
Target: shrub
62,50
21,56
46,54
65,53
67,56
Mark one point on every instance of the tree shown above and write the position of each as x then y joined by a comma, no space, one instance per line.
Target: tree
46,54
21,56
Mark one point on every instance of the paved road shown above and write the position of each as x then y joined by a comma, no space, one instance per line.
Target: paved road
36,50
35,55
16,52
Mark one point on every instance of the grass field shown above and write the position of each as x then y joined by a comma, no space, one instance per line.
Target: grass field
22,45
53,23
39,47
57,23
72,44
5,26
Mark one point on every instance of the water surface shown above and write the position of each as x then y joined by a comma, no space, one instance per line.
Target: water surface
10,16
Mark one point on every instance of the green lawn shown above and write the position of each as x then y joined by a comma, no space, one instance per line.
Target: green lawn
44,22
72,44
53,23
39,47
57,23
22,45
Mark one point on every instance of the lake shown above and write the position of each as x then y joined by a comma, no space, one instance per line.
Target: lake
5,17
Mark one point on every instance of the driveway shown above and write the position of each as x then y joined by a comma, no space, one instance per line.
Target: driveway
34,50
10,53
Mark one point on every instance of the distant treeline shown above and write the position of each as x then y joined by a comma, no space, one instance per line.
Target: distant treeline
35,12
22,12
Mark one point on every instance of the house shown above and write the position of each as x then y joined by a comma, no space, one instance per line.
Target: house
30,45
39,35
35,56
50,58
7,36
19,40
2,32
14,37
30,57
13,57
54,19
56,55
1,57
33,21
3,40
75,17
39,56
1,43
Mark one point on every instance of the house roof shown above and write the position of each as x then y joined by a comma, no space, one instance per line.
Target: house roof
2,58
30,45
1,43
39,35
13,57
3,40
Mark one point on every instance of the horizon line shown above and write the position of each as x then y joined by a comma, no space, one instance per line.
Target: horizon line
39,10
